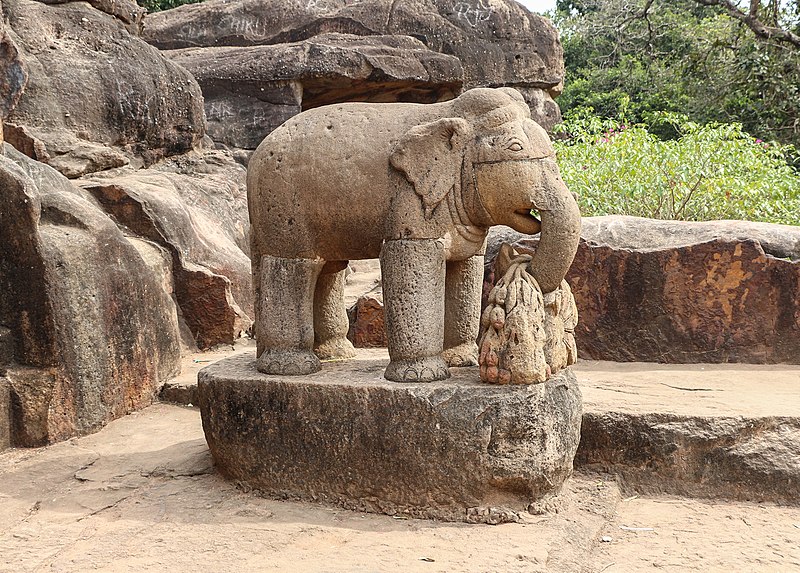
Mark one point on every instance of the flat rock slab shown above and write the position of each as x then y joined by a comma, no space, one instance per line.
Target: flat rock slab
457,450
730,431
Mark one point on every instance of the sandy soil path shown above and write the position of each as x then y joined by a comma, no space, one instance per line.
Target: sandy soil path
141,495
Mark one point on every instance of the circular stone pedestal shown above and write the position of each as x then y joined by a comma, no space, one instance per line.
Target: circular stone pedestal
457,450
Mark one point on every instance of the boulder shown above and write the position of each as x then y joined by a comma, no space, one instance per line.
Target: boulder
194,207
126,11
93,328
368,322
497,42
674,291
249,91
96,97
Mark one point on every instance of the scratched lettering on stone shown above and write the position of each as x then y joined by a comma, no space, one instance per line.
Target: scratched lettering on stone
142,109
328,7
474,12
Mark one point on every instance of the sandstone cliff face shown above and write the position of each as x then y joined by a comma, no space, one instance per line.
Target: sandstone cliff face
261,61
92,329
96,97
103,279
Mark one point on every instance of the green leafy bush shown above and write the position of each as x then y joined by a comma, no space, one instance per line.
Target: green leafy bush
642,57
713,171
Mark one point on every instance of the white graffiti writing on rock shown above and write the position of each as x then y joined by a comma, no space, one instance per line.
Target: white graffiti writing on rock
474,11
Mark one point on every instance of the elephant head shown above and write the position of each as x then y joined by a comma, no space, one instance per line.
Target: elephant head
500,166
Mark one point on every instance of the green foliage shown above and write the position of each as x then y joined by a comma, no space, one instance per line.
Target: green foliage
713,171
625,58
158,5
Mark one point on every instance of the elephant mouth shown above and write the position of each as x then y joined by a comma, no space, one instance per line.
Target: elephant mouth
526,221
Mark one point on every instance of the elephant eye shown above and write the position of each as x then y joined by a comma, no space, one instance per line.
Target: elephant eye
515,146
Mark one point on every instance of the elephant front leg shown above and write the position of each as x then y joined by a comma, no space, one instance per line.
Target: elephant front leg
413,294
462,311
330,318
285,315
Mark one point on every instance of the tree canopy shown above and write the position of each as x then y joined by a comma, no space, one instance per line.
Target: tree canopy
642,61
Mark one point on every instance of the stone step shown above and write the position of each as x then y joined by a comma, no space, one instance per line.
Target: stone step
722,430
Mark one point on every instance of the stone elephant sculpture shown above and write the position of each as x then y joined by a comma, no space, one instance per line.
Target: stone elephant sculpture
418,185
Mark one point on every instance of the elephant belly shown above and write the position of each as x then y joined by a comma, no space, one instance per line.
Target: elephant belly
318,186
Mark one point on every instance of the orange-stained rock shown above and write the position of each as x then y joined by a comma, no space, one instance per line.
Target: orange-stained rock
676,292
367,323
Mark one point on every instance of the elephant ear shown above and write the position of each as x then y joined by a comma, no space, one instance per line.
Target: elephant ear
430,156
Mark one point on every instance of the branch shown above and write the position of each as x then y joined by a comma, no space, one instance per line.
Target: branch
750,19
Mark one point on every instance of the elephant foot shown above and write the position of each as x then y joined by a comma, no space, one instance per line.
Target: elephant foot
288,362
428,369
465,354
335,349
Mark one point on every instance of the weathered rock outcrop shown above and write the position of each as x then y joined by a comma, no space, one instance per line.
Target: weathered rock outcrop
5,413
670,291
127,11
732,457
329,51
94,329
368,322
249,91
96,97
195,207
90,276
714,431
13,78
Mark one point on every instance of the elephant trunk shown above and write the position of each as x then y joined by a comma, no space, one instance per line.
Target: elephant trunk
561,230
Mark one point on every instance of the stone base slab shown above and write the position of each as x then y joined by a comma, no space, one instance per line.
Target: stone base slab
456,450
5,414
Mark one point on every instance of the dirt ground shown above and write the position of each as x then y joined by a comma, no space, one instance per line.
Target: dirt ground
142,495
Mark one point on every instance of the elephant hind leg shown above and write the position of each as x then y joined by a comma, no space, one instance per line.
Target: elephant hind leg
285,315
462,311
330,317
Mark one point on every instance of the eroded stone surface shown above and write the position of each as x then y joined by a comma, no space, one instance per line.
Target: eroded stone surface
338,50
127,11
195,207
97,96
456,450
515,46
94,330
5,413
13,78
367,322
668,291
249,91
730,457
711,430
423,183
